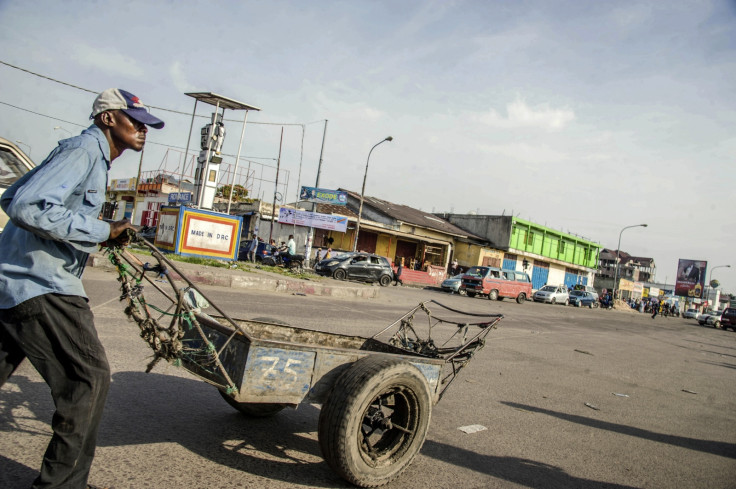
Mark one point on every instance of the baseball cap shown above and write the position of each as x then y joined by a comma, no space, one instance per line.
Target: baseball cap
117,99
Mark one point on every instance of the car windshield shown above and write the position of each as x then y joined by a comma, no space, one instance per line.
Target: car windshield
476,271
549,288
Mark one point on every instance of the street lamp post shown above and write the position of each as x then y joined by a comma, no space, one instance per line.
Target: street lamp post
618,248
59,128
710,276
362,192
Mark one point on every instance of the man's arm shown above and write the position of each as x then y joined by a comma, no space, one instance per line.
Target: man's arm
38,205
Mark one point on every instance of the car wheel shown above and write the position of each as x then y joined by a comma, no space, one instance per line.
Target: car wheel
716,324
567,302
521,298
470,294
385,280
462,291
554,301
340,274
493,295
590,305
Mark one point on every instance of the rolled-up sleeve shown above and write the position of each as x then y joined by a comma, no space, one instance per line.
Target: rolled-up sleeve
41,204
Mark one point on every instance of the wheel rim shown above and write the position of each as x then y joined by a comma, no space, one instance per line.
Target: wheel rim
388,426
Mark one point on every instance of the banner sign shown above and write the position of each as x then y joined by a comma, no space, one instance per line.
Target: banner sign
313,219
690,278
122,184
180,197
196,232
323,196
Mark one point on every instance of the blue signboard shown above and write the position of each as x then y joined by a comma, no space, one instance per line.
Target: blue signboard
180,197
323,196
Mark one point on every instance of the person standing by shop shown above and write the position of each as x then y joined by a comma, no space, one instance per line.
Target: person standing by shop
44,314
399,271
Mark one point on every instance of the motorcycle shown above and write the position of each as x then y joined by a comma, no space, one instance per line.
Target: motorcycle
294,263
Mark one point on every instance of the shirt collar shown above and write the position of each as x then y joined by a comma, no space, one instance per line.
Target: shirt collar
95,131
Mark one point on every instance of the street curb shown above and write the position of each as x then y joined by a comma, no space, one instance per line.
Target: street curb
236,279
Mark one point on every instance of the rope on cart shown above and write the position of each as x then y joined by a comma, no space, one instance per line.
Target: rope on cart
167,343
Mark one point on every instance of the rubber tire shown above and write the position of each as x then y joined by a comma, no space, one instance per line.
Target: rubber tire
470,294
269,262
567,302
493,295
296,266
385,280
590,306
462,291
341,420
339,274
554,301
716,324
521,298
253,409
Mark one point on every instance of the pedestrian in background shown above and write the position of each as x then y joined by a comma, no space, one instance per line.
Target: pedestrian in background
252,248
318,255
44,314
399,271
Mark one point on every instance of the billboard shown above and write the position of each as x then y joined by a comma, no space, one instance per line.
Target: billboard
313,219
196,232
323,196
690,278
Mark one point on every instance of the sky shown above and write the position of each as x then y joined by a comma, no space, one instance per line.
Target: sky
586,117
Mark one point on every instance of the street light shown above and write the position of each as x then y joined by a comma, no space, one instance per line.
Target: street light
618,248
362,192
710,277
25,144
62,129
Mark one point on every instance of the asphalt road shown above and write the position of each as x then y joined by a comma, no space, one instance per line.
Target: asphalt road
529,387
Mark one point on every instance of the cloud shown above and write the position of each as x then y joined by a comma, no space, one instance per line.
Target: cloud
521,115
179,78
107,60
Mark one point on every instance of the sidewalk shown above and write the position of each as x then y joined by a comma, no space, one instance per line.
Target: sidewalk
257,279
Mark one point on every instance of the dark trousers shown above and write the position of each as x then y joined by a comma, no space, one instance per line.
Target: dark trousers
57,334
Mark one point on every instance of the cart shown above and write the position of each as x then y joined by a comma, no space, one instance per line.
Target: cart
376,393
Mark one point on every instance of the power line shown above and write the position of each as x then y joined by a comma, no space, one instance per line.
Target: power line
151,106
243,158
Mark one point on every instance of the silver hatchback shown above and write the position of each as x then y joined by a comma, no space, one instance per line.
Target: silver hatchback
554,294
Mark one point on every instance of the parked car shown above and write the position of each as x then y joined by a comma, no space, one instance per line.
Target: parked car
13,164
452,284
728,318
714,319
496,283
554,294
264,249
710,318
586,288
581,298
691,314
357,266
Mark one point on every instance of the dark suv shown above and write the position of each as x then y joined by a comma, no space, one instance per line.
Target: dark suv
357,266
728,320
264,249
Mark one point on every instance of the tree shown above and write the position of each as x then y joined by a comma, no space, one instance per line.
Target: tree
240,194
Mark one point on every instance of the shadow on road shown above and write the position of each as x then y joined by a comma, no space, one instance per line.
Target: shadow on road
513,469
707,446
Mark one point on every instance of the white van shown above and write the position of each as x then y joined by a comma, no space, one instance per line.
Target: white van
14,163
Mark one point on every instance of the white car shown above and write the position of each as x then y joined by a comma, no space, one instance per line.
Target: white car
554,294
691,314
712,318
13,164
452,284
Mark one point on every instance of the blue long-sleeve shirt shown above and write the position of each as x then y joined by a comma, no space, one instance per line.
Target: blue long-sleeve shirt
54,225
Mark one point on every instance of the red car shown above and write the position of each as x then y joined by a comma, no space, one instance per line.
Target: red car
496,283
728,319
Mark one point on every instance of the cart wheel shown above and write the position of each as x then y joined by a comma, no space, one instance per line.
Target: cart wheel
375,420
253,409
